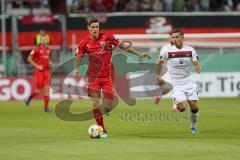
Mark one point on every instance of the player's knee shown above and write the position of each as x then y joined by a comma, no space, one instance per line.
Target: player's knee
194,109
108,109
167,88
181,107
95,103
194,106
107,106
38,91
165,91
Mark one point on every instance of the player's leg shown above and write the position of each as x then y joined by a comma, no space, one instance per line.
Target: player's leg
94,92
38,78
165,89
46,82
192,95
194,114
33,94
110,99
181,106
174,108
46,99
157,100
97,113
180,99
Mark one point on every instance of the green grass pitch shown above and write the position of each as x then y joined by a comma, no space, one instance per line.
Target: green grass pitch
31,134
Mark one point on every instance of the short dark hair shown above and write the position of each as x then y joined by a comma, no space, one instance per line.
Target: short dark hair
177,30
92,20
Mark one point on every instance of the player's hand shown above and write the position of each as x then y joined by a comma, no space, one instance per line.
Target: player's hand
39,67
52,65
75,72
160,81
143,55
198,68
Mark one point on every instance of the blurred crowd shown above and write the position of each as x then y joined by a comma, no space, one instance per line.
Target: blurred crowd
9,4
87,6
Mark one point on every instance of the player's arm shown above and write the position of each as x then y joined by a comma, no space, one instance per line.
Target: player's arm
79,54
161,61
197,66
50,60
195,62
76,66
159,70
51,63
128,48
31,61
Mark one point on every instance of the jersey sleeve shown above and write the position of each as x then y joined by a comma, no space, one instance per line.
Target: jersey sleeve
113,40
34,52
81,49
194,55
163,54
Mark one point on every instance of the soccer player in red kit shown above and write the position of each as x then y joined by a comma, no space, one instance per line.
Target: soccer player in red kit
40,58
99,48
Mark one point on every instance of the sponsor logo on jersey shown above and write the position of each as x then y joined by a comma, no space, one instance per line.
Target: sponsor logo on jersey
181,61
102,43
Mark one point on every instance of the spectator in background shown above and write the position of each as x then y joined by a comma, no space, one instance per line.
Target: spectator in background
131,6
179,5
84,6
30,4
109,5
228,5
58,6
145,5
236,6
168,4
216,5
45,3
39,37
120,5
157,6
193,6
98,6
204,4
71,6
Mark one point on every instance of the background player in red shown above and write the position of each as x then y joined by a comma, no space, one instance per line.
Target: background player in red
99,48
40,58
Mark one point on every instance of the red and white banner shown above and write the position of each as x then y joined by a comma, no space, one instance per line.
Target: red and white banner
19,88
215,84
38,19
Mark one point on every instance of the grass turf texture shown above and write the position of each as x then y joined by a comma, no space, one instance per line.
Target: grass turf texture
29,133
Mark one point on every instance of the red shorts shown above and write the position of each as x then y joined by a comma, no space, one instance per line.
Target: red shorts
42,78
101,84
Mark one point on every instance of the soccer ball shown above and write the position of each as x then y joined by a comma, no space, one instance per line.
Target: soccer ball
95,131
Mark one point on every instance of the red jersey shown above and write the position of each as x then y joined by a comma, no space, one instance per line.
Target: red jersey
99,52
41,56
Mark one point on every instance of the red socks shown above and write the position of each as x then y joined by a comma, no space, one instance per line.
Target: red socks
98,117
46,100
